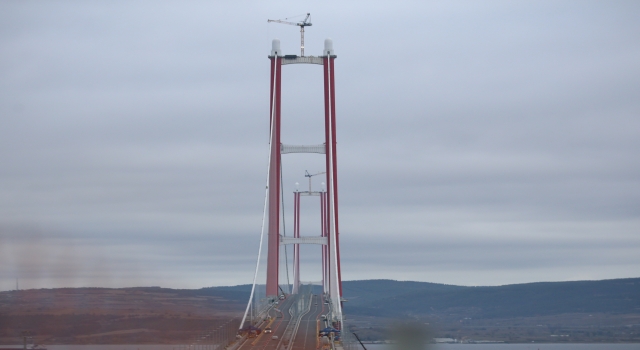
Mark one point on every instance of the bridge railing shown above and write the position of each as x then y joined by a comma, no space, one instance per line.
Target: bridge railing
217,338
349,341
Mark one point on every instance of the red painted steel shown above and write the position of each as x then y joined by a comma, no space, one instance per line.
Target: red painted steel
331,157
335,166
326,234
327,135
323,248
273,237
296,247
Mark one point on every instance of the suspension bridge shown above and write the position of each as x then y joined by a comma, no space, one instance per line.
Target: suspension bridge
284,315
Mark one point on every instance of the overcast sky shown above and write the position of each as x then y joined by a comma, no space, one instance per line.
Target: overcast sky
479,143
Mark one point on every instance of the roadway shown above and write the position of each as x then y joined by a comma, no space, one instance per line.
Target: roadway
280,319
306,337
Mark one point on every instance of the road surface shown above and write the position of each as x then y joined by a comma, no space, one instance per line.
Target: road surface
306,337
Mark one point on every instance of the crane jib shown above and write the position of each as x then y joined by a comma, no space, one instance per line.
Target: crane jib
301,24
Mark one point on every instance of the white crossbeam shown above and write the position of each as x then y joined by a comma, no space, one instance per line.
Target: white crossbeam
310,193
304,240
284,149
305,59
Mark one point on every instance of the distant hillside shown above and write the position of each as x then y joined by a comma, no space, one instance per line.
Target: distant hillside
387,298
141,315
548,312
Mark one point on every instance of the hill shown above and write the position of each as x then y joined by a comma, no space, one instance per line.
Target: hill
578,311
387,298
145,315
552,312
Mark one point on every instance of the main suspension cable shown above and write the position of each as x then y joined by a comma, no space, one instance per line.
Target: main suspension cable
266,192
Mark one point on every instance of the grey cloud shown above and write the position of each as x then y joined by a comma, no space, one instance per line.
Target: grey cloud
501,131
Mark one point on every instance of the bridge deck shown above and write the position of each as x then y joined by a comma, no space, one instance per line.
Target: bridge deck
307,334
304,333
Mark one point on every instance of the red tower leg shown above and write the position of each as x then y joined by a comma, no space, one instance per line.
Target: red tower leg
273,252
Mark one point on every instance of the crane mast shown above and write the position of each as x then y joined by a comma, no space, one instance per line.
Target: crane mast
301,24
306,174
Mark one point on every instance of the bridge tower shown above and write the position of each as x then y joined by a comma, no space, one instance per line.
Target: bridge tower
323,240
330,234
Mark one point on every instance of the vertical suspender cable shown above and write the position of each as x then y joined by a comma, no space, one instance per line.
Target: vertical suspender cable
266,191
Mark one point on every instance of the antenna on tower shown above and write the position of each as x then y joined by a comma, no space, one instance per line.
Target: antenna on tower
301,24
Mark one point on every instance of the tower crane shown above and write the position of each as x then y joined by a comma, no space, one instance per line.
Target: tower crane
306,174
301,24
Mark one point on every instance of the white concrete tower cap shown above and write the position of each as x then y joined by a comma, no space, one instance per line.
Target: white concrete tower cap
328,47
275,48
